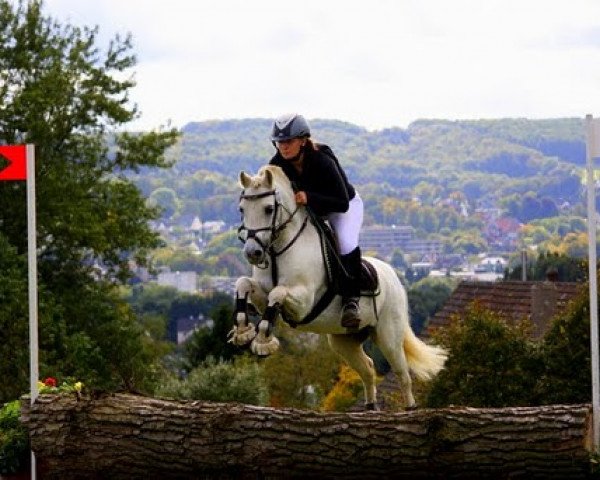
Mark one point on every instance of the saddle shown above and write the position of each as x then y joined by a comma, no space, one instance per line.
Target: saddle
368,281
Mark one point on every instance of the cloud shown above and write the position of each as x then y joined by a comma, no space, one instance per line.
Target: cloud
377,64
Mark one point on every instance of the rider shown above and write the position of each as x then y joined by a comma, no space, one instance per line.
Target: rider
323,186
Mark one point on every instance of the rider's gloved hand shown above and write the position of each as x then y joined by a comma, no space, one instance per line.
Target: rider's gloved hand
301,198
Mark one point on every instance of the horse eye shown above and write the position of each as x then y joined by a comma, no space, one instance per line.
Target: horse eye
241,210
269,209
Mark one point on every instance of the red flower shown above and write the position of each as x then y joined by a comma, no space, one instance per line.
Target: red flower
50,382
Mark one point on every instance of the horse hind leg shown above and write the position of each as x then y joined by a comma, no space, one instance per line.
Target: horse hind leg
397,359
350,349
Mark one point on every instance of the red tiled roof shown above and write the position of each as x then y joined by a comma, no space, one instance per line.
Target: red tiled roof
515,300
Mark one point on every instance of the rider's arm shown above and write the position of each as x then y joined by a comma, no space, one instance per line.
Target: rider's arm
327,192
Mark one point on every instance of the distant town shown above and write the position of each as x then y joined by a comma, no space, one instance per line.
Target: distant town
427,257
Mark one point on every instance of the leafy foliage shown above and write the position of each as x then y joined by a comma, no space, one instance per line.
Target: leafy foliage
166,199
159,307
14,333
211,342
564,268
430,160
425,298
239,381
302,371
69,98
566,377
14,440
490,364
221,256
345,392
529,206
493,364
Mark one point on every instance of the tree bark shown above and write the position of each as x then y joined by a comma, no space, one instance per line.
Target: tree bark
128,437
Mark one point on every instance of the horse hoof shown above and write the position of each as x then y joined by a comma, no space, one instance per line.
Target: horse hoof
412,407
371,407
242,335
264,348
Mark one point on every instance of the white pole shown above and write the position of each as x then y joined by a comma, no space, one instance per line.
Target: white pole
32,280
591,207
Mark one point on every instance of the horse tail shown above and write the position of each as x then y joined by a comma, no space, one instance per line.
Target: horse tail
424,360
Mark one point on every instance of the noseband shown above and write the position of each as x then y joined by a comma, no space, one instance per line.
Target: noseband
273,228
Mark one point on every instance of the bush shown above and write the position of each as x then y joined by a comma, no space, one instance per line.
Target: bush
14,440
345,392
491,364
302,371
565,350
238,381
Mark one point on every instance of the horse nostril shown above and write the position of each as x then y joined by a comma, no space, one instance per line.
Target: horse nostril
257,253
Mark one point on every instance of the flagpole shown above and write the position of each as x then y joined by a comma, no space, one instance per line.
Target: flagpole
591,204
32,281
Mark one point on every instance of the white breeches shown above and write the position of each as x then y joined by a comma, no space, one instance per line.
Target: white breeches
346,226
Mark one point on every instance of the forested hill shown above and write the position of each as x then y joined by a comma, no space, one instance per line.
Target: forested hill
484,160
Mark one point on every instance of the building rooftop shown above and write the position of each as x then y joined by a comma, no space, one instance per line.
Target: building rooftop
537,302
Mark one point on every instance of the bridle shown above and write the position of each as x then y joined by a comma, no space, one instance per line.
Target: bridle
274,228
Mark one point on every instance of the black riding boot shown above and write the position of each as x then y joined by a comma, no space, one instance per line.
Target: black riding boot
351,289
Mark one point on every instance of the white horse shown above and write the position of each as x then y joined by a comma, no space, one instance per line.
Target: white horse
289,277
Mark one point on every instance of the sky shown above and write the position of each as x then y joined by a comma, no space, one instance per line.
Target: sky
375,63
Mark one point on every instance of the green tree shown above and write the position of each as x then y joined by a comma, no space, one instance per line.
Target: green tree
491,364
152,298
166,199
14,334
469,242
241,380
398,260
564,268
565,351
68,97
426,297
14,440
211,342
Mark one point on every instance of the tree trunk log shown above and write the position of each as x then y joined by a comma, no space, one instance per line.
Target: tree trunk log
128,437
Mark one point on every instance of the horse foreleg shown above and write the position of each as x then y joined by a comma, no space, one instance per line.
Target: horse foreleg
247,292
292,299
350,349
265,343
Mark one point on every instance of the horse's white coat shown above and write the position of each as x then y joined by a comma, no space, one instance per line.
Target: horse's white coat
302,281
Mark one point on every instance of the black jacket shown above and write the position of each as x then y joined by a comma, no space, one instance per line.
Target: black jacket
325,183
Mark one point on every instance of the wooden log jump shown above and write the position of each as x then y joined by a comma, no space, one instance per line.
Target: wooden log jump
124,436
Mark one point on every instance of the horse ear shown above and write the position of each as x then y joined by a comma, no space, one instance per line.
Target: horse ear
269,178
244,179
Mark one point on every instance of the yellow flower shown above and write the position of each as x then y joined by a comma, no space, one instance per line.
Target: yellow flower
78,386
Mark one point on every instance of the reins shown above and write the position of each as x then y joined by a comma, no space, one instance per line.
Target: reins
275,230
273,254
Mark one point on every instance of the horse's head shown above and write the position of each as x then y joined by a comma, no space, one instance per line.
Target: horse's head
267,206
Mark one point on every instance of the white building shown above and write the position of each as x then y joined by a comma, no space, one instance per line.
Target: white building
384,239
182,281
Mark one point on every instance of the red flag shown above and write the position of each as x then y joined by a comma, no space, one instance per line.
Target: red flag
16,156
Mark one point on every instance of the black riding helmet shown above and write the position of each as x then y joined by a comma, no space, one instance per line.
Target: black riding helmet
289,126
